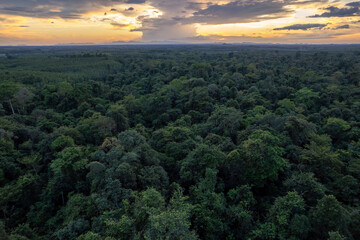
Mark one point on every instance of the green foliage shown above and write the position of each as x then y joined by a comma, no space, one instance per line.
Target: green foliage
329,215
299,129
307,186
119,115
306,97
96,128
262,158
287,214
336,127
62,142
121,229
69,160
225,122
321,159
7,89
194,165
180,142
89,236
174,222
285,106
335,236
209,207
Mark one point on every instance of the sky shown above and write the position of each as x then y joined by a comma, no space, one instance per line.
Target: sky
52,22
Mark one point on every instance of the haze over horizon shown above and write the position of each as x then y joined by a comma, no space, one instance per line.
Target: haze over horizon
51,22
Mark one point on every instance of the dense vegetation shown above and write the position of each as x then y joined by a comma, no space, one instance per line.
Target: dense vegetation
183,142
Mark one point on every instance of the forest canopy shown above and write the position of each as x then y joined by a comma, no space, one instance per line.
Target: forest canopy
180,142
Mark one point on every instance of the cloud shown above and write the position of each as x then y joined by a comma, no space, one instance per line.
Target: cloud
227,39
164,29
119,25
332,11
353,4
135,1
58,8
35,11
312,36
302,27
238,12
183,20
346,26
180,18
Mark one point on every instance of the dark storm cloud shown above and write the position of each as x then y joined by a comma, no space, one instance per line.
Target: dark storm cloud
352,10
347,26
67,9
353,4
209,13
196,5
179,16
45,12
135,1
302,27
238,11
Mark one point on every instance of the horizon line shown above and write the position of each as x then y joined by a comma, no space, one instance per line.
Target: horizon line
174,43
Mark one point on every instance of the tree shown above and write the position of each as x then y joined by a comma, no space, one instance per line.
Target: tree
154,177
174,222
175,142
307,186
241,202
299,129
209,207
200,70
336,128
119,114
335,236
69,160
22,97
79,206
306,97
12,193
321,159
130,139
226,122
285,106
62,142
97,127
89,236
7,91
262,158
194,165
147,203
73,230
122,229
329,215
288,215
346,189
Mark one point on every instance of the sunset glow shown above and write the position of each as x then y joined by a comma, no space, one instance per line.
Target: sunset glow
109,22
